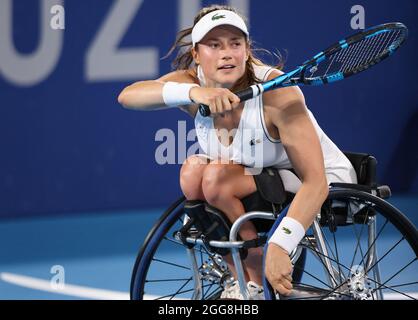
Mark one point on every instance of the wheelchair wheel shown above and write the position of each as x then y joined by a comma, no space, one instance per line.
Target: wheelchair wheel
164,270
362,248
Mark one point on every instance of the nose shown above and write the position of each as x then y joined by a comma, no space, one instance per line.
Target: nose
226,53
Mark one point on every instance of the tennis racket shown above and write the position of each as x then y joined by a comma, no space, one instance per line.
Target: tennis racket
340,61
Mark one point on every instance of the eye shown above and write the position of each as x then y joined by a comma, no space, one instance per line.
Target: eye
214,45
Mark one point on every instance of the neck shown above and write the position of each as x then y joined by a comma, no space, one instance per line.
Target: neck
214,84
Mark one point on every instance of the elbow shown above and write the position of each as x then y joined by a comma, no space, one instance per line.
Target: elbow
319,186
122,98
325,191
324,188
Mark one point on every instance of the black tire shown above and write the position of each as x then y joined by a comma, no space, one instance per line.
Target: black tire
164,223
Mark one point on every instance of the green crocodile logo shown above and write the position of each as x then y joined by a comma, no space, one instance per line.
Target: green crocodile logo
286,230
217,17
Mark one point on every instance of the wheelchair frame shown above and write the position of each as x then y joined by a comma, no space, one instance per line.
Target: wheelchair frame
321,251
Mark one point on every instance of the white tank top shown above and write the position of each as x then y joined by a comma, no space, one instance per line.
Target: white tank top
252,145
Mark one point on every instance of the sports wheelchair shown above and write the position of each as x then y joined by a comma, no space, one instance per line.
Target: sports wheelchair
359,247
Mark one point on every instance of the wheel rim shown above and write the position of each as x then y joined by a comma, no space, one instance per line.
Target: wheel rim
163,269
354,276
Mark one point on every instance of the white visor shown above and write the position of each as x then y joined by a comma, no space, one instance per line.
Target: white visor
214,19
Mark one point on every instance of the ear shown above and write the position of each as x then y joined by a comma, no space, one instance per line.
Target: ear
195,56
247,52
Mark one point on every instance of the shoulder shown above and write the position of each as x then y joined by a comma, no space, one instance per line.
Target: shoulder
283,97
184,76
261,72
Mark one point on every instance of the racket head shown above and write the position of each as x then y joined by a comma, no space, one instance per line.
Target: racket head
353,55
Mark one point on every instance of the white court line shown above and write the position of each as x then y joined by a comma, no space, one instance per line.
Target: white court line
100,294
68,289
398,296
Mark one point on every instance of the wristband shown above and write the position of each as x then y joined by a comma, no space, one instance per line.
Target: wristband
177,94
288,234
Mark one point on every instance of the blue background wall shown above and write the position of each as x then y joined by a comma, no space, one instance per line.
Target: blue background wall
67,146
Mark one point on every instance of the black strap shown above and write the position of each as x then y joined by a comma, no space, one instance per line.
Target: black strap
255,243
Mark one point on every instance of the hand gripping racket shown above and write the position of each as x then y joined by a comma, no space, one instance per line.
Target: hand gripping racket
340,61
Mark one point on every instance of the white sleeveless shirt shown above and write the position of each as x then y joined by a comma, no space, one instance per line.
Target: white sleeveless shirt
252,145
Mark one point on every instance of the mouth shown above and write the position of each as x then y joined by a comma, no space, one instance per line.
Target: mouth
227,67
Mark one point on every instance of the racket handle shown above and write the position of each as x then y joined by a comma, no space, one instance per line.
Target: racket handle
243,95
204,110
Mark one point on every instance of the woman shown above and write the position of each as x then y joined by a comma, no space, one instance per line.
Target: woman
220,61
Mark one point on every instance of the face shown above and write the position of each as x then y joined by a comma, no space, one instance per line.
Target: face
222,55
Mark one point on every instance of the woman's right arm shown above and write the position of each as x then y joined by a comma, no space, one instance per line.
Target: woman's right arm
148,95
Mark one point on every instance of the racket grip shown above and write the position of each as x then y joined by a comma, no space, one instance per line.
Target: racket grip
204,110
243,95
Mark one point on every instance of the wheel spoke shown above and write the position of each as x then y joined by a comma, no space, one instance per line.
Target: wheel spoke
373,242
383,284
391,289
311,275
390,250
314,287
404,284
180,243
327,257
337,257
179,292
335,289
185,284
170,263
322,262
164,280
358,246
208,289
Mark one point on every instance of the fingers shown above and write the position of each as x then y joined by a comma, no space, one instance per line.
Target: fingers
221,101
278,270
287,284
288,277
234,100
283,285
283,290
226,104
219,105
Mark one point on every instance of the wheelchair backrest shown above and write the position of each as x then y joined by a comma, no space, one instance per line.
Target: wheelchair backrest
365,167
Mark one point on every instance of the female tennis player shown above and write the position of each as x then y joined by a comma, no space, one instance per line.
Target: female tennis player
219,61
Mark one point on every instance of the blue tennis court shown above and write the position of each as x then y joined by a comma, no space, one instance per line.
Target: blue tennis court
97,251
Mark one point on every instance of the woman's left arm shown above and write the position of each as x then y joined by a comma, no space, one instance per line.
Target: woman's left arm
288,112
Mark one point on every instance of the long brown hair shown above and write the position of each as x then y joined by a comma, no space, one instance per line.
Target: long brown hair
184,59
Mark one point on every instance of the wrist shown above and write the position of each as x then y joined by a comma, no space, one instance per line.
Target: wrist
279,248
288,234
192,94
177,94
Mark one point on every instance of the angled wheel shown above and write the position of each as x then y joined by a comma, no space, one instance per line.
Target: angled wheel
361,248
167,269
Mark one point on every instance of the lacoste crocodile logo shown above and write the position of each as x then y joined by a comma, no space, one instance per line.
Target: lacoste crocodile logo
253,142
217,17
286,230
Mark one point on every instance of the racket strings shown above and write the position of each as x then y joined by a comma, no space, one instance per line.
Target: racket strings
358,55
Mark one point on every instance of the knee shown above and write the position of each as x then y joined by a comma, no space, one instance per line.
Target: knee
191,178
213,183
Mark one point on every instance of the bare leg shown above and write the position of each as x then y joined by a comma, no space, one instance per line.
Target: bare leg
223,187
